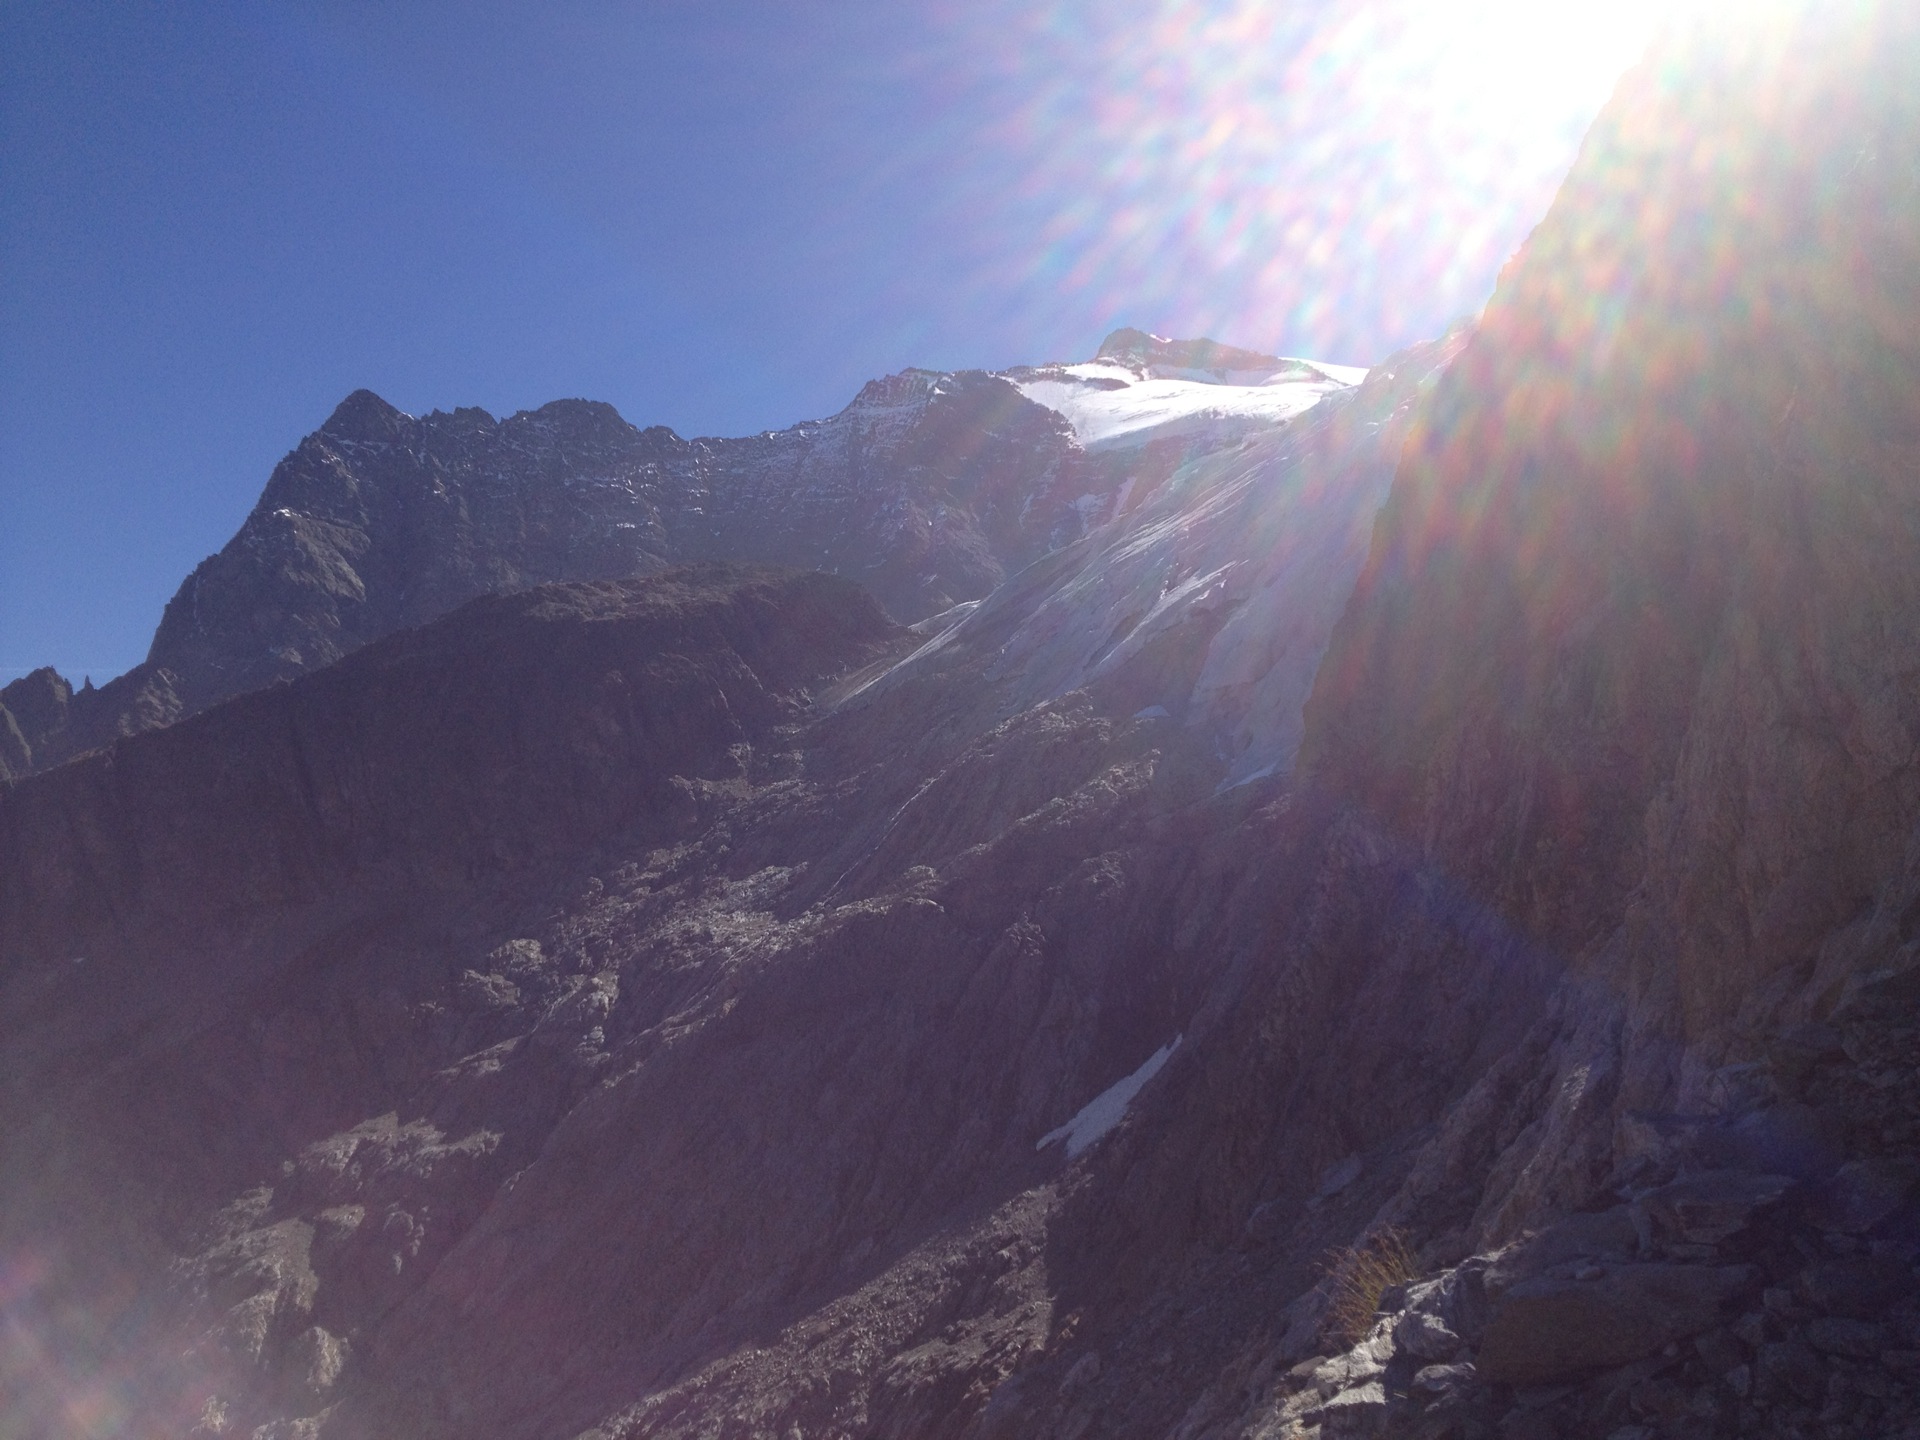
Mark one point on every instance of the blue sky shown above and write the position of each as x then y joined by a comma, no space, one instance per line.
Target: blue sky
217,219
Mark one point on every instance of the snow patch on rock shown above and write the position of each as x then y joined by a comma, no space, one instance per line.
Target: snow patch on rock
1100,1115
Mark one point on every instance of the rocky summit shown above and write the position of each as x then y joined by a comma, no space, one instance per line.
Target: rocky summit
1189,894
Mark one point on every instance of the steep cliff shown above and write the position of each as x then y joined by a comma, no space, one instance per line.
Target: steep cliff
1405,927
1635,643
1632,664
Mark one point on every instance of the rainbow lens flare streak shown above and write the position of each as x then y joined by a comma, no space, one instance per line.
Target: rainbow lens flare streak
1329,178
54,1377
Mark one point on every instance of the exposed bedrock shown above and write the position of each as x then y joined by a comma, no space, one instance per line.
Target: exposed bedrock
1155,1000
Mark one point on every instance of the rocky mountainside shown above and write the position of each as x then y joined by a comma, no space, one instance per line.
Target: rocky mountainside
929,489
1405,927
495,789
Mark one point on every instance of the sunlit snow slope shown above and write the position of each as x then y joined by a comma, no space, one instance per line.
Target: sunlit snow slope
1112,402
1207,601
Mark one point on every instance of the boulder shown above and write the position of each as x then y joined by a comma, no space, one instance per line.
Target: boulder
1720,1351
1793,1139
1551,1329
1706,1209
1788,1370
1437,1381
1457,1298
1601,1235
1856,1289
1859,1339
1358,1411
1863,1194
1426,1337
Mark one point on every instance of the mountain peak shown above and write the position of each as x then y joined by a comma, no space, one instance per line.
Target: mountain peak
1141,348
363,415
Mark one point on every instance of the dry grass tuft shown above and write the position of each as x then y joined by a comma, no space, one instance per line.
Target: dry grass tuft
1359,1275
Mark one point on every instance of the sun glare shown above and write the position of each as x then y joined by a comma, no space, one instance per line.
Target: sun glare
1356,171
1501,60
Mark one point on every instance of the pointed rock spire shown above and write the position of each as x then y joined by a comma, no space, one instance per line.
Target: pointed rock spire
363,415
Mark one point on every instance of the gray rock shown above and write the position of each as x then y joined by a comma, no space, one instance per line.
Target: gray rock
1457,1299
1794,1140
1719,1351
1426,1337
1857,1289
1345,1372
1338,1177
1605,1234
1551,1329
1436,1381
1788,1370
1707,1209
1661,1399
1370,1396
1860,1339
1358,1411
483,993
1862,1194
1267,1223
1000,1417
1798,1051
1084,1372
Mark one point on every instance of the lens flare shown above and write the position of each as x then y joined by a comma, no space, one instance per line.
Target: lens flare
1327,179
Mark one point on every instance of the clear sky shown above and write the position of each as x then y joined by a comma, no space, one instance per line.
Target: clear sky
218,218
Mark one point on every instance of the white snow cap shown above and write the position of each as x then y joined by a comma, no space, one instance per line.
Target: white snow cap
1142,387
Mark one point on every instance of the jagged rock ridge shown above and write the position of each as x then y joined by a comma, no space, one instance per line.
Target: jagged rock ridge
1577,946
929,489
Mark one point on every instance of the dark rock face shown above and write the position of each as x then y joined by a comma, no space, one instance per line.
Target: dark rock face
537,721
651,1008
1643,583
1608,668
1139,348
1556,1328
352,815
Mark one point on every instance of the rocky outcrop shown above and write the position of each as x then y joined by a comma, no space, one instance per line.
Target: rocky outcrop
1209,600
696,1006
1607,670
1137,347
1760,1322
45,721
